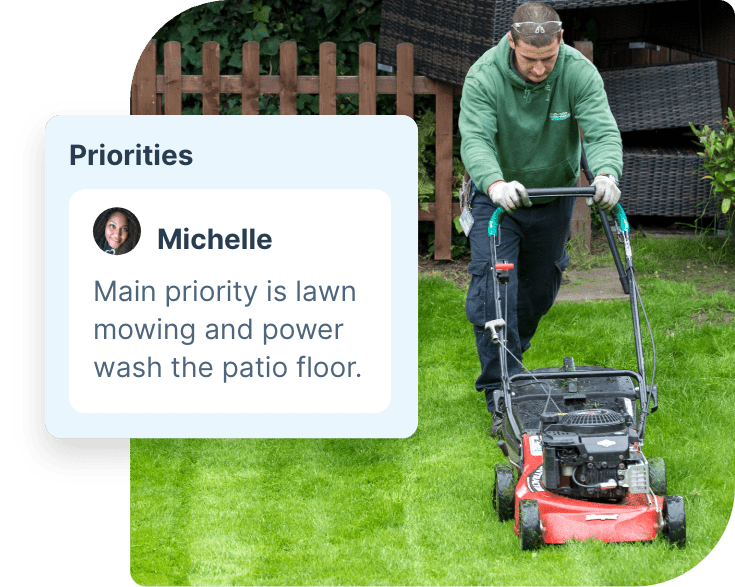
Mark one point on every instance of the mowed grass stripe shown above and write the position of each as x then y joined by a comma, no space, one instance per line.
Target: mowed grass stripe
457,528
343,490
222,511
161,484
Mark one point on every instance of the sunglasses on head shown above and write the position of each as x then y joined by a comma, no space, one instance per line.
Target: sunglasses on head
537,28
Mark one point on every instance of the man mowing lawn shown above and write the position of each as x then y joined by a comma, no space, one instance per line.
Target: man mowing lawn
523,105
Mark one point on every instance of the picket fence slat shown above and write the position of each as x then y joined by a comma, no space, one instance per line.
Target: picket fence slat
143,93
210,78
368,72
172,77
404,80
250,77
289,81
148,88
328,78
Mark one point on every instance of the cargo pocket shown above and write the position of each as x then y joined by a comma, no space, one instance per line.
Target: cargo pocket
559,268
475,306
562,264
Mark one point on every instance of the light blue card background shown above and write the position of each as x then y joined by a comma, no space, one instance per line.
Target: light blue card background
238,152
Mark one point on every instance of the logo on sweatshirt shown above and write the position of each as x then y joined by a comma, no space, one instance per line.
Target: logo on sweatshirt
559,115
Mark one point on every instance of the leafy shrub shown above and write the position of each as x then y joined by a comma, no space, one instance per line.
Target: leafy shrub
426,125
719,161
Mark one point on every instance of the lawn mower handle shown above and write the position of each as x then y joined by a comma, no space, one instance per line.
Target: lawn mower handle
492,227
576,191
572,192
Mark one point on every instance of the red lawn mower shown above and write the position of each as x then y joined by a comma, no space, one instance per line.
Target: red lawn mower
573,435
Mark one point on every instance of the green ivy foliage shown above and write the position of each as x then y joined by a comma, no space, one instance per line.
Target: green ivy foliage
347,23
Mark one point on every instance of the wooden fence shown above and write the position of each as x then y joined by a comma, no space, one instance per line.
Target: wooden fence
148,88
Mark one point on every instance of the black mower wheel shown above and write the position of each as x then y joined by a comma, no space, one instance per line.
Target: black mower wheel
675,529
529,524
657,475
504,492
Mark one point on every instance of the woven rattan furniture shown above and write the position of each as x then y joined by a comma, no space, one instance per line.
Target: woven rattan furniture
664,182
448,36
664,96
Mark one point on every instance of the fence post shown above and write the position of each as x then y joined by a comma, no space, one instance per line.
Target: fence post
443,179
143,91
327,78
172,77
250,77
289,79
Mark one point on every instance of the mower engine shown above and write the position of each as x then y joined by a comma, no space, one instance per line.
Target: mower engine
592,454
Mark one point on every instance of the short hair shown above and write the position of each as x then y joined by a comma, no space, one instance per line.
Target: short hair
535,12
98,231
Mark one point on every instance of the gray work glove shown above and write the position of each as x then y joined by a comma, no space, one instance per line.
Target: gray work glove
607,193
509,196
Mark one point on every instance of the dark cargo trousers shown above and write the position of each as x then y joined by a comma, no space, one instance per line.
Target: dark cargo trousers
534,240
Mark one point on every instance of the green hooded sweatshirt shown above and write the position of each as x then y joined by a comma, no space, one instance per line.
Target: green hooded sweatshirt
514,130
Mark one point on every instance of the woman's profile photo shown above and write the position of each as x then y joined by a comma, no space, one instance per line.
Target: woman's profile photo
116,231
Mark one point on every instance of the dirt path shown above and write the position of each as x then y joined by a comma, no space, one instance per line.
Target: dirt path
601,283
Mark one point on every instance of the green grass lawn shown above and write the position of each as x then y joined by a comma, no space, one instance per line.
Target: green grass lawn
418,510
